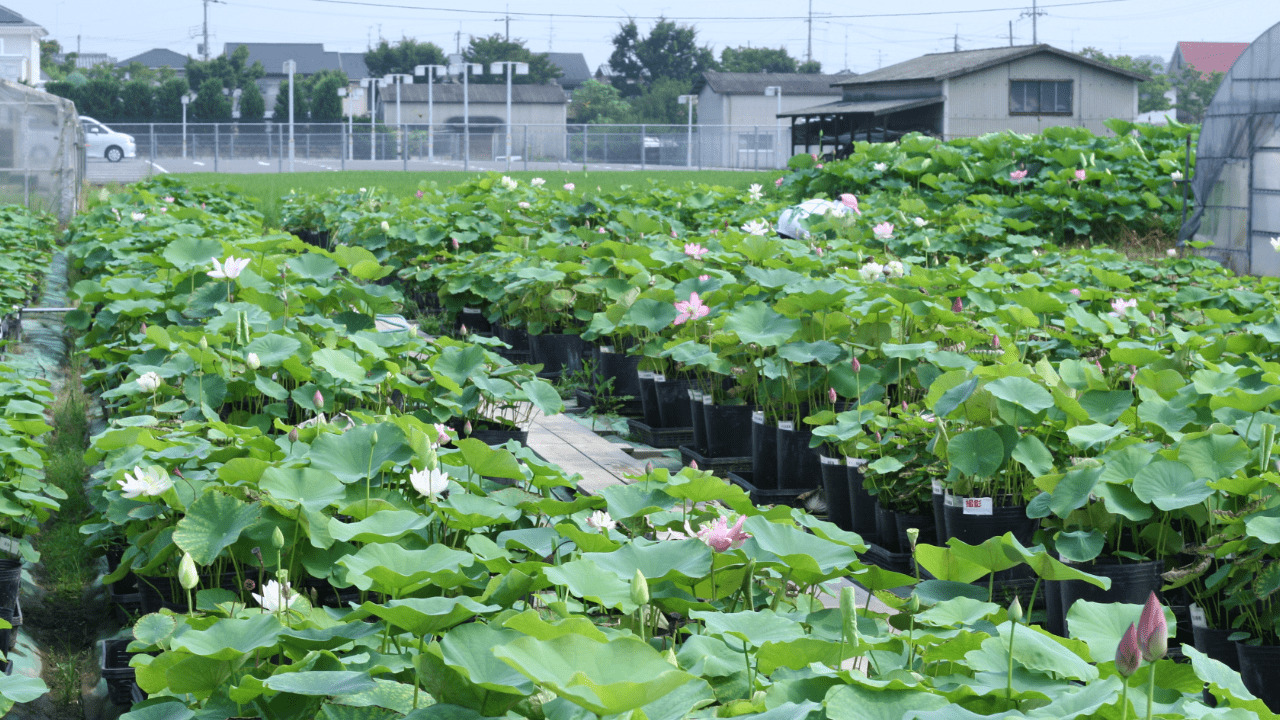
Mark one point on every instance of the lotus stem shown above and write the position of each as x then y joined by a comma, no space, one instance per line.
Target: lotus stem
1151,688
1013,627
1124,700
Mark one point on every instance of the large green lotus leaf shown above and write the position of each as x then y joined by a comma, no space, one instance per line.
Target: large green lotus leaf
544,396
339,364
705,487
208,389
153,628
957,612
944,564
458,363
1033,455
465,511
484,460
21,688
584,579
589,541
331,711
353,455
273,349
1247,400
424,616
605,678
1119,499
1020,391
330,637
166,709
1106,406
855,702
312,266
213,522
1223,681
382,526
821,352
1086,437
1073,490
757,323
532,624
1046,565
387,695
1168,415
954,397
469,650
1080,545
976,453
641,498
1101,625
652,315
231,638
320,682
754,628
1034,649
710,657
799,653
805,710
805,557
310,488
911,351
660,560
1170,485
1265,528
1212,457
391,569
190,251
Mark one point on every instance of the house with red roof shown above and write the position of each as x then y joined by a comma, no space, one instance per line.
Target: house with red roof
1207,57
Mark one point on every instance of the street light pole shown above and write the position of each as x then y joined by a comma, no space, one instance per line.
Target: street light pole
520,68
372,84
397,79
186,100
689,100
466,69
430,71
778,155
290,67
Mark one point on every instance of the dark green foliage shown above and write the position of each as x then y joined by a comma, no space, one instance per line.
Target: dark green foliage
210,104
669,51
756,60
402,57
494,48
252,106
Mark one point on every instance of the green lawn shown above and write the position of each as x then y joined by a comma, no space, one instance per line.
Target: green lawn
268,188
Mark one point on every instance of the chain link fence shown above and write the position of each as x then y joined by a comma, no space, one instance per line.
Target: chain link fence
265,147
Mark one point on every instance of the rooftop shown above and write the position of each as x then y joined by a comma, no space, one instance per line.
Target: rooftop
157,58
936,67
311,58
729,83
452,93
12,19
1211,57
573,68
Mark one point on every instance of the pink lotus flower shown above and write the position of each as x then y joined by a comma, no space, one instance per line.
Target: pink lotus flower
1075,291
851,202
690,309
957,306
819,166
777,183
568,186
883,231
1080,175
673,232
1153,632
720,537
419,194
1128,654
1018,175
818,250
1119,305
693,250
704,277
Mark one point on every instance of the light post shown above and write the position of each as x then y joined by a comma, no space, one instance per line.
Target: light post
290,67
372,84
777,153
186,100
466,69
689,100
430,71
397,79
520,68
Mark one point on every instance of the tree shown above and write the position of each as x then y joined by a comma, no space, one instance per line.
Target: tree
300,105
402,57
322,95
210,104
100,97
49,48
811,67
756,60
138,100
1151,94
232,71
659,103
252,107
168,104
495,48
669,51
1195,92
595,102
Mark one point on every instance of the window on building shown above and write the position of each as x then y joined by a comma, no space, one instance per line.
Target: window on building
1040,97
757,142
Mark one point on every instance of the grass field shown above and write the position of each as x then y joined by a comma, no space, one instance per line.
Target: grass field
268,188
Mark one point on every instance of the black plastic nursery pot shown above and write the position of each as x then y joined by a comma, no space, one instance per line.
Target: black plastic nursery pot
499,437
10,582
697,420
972,524
939,513
907,521
1258,665
862,504
728,430
764,452
649,400
1131,583
797,462
558,352
517,338
835,485
887,529
622,369
673,403
1214,643
474,321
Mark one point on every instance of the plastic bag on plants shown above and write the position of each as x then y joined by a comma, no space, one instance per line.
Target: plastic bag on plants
792,222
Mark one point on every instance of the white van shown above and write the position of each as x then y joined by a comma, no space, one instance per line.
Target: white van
102,141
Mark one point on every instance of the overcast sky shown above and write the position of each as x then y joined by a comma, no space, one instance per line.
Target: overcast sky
860,36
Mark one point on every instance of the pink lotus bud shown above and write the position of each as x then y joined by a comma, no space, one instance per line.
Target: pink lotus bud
648,468
995,341
1099,366
456,243
704,278
957,306
144,328
904,406
318,399
777,183
819,251
693,464
857,366
1153,632
293,435
831,394
464,329
1133,373
878,438
466,428
673,232
1075,291
1128,656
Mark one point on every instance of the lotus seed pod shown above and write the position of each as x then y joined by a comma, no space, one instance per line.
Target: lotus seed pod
639,588
913,535
188,577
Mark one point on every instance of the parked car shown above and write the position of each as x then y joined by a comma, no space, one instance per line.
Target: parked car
102,141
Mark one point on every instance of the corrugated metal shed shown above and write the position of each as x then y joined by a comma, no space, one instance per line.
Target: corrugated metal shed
452,93
727,83
871,107
936,67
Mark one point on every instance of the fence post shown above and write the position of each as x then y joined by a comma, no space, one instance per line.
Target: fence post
644,148
404,147
270,152
699,148
755,145
586,141
151,131
526,146
308,143
280,149
342,154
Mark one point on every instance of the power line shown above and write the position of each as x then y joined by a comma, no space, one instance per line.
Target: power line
758,18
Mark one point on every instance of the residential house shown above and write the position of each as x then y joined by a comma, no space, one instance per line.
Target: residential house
84,61
573,70
538,117
311,58
739,124
1022,88
159,58
1207,57
19,48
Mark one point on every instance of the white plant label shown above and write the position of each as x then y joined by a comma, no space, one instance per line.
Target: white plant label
707,399
938,489
10,546
606,349
757,417
1197,616
786,425
659,377
977,506
646,374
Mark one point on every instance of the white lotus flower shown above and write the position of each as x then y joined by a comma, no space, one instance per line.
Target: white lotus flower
523,205
149,482
230,268
880,167
1175,176
1171,252
871,271
386,226
149,382
429,483
253,361
138,217
920,222
537,182
755,227
894,269
276,596
755,192
509,183
600,520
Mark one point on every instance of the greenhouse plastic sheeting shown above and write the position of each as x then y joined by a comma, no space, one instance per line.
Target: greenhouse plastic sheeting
1237,178
41,150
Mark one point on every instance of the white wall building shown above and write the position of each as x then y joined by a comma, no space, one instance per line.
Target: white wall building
19,48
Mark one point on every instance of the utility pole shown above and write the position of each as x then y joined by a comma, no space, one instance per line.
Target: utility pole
1034,13
205,48
457,38
956,45
808,55
1010,33
551,34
